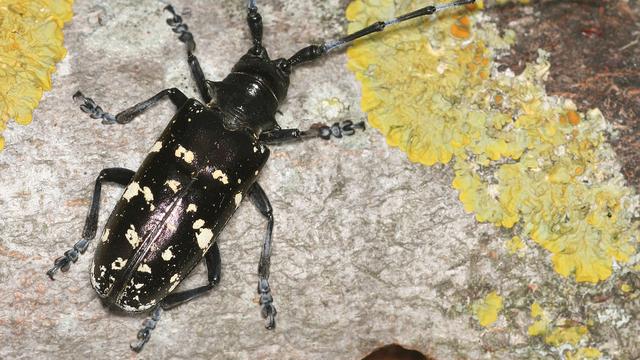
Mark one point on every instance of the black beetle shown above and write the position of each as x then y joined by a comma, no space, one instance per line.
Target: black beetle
203,165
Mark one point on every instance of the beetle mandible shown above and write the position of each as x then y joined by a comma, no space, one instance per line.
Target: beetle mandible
194,178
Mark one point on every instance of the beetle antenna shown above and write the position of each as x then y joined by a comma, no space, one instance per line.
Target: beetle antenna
313,52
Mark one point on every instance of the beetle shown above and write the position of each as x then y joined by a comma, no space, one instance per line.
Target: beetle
195,176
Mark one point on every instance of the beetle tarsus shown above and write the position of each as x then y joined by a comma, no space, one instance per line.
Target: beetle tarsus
147,326
63,263
180,28
337,130
268,310
90,107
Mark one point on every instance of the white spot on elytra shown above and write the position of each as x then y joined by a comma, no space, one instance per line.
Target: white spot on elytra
185,154
118,264
131,191
167,254
173,287
174,185
134,189
204,237
132,236
138,286
105,236
198,224
256,173
192,208
148,195
174,278
144,268
255,149
238,199
219,175
156,147
239,181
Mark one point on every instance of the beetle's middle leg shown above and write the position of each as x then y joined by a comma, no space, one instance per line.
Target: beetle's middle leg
186,37
117,175
260,200
337,130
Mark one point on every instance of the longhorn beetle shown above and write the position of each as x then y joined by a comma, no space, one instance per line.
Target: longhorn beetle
194,178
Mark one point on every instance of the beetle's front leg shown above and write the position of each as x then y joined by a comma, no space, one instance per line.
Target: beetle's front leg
337,130
260,200
116,175
184,35
90,107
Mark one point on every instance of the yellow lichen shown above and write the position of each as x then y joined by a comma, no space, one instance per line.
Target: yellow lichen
563,333
487,309
515,244
519,155
31,43
541,321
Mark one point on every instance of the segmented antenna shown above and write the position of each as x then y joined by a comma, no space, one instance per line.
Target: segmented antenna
313,52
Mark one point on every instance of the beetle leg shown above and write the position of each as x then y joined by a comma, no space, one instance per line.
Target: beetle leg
147,326
337,130
178,27
260,200
117,175
89,106
212,257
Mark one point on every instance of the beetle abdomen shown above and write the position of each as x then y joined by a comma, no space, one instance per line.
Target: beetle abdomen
172,212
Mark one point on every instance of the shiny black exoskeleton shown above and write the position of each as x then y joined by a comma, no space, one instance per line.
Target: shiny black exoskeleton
195,176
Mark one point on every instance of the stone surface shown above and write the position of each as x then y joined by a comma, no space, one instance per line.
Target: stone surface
369,248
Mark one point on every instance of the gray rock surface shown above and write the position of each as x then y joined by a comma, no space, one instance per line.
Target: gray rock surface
369,248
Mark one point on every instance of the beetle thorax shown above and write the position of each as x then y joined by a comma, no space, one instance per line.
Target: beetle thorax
251,94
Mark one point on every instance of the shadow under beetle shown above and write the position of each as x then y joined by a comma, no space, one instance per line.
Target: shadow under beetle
194,178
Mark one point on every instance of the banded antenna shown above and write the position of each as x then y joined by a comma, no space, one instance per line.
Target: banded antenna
313,52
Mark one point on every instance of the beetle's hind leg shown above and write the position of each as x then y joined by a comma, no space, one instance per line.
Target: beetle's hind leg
212,257
186,37
116,175
214,267
260,200
147,326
